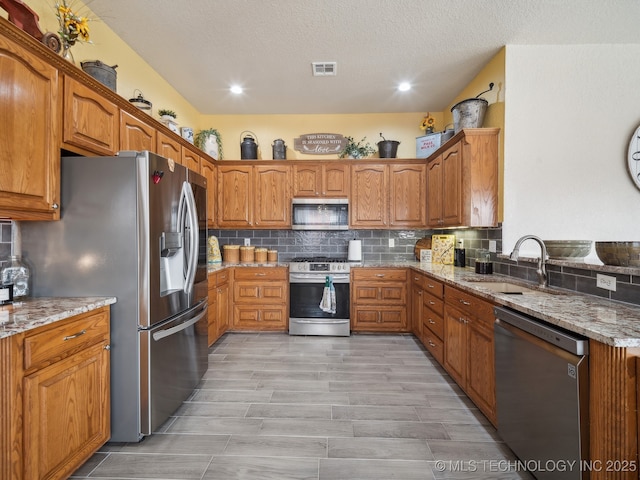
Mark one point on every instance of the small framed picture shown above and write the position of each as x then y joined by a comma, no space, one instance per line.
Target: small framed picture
187,133
425,256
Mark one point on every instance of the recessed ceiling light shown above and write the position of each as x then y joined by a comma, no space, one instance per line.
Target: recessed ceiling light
237,89
404,86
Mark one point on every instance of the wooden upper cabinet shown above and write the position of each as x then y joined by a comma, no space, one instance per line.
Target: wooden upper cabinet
307,180
463,181
272,207
168,147
235,196
369,206
327,180
136,134
434,192
408,200
30,145
91,122
208,170
191,160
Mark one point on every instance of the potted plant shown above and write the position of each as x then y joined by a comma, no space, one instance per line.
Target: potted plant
210,142
357,150
168,115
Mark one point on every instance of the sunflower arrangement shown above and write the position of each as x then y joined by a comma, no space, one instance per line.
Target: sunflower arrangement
428,123
73,27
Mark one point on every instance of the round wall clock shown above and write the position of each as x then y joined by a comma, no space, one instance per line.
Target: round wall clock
633,158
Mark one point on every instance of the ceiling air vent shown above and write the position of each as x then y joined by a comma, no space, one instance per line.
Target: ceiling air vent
324,69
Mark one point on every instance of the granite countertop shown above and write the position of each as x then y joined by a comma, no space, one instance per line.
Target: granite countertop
216,267
36,312
613,323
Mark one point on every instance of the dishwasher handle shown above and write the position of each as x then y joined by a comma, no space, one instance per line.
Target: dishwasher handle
540,330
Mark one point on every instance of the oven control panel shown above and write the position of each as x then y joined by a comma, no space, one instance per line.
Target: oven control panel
319,267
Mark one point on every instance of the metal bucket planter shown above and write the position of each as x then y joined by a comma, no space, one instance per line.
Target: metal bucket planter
105,74
388,148
469,113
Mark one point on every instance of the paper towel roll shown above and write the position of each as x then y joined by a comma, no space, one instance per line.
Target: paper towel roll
355,251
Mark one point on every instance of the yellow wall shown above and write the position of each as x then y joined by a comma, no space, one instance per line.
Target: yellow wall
494,71
403,127
132,71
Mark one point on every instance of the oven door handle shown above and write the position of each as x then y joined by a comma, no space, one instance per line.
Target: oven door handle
320,321
317,278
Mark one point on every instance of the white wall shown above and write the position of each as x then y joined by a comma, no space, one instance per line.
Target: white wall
570,113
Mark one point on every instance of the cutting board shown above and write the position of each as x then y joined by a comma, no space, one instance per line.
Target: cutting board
422,244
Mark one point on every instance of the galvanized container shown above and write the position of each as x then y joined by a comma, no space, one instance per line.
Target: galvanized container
105,74
469,113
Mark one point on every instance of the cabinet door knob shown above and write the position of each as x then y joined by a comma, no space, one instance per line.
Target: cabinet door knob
107,347
55,206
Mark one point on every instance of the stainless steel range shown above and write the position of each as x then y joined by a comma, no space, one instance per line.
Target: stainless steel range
307,279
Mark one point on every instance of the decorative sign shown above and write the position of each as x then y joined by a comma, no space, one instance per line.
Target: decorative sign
320,143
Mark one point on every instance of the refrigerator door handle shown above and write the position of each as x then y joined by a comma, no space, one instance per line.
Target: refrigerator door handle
178,328
192,228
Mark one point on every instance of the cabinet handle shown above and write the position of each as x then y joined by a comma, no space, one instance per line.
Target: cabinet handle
55,206
432,322
75,335
462,320
431,344
260,274
463,302
380,275
431,302
431,286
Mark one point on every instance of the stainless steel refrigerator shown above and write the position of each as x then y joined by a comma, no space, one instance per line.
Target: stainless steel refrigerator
133,226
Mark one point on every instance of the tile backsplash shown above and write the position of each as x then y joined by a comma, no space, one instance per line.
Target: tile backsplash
375,243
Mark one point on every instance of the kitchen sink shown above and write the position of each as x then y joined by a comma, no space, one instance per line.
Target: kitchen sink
510,288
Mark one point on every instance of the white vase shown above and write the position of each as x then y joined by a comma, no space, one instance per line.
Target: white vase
211,146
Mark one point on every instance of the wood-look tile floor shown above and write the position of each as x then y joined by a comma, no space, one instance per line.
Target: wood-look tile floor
277,407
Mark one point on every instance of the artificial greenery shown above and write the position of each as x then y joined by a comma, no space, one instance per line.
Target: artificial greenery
202,136
163,111
357,150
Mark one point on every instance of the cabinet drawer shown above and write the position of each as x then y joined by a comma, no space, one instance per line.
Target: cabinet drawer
433,288
249,292
433,322
380,319
246,317
254,273
222,277
433,303
379,274
65,339
435,346
469,304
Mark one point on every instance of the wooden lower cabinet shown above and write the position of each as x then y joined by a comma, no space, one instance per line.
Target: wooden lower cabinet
469,347
260,299
379,300
218,314
57,389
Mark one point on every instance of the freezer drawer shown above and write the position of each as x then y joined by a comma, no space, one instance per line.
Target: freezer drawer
173,361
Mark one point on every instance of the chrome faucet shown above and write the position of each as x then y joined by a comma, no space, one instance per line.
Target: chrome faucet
542,270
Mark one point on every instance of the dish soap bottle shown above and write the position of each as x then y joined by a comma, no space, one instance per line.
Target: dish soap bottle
17,273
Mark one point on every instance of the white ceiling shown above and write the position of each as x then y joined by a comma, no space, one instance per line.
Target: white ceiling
202,46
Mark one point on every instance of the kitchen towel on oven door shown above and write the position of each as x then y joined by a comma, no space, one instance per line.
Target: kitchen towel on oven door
328,301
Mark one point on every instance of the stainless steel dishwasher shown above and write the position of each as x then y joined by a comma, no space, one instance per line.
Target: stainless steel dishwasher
542,380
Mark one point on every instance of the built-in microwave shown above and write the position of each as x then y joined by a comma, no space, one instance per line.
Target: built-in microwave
320,214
